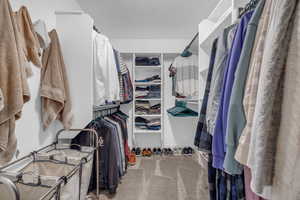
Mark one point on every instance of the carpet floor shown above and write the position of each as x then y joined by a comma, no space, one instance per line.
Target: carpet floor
163,178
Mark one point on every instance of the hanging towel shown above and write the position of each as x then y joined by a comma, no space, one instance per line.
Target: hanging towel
30,39
13,82
42,33
56,101
1,100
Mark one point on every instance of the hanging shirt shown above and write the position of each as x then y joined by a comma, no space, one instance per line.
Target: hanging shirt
219,146
186,76
202,138
223,48
106,80
236,118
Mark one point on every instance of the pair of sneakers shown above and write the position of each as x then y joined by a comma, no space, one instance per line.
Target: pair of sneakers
187,151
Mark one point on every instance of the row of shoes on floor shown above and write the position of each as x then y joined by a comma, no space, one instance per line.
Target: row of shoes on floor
164,151
148,152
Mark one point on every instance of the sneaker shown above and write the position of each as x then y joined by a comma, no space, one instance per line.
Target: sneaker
149,152
132,159
138,151
144,152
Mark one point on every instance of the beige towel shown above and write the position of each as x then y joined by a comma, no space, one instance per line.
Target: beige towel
29,37
13,81
1,100
56,102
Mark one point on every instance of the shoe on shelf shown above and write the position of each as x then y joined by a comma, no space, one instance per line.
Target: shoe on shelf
170,151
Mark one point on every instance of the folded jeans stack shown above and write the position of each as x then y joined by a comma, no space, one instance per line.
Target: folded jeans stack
155,110
154,79
145,124
142,107
145,108
147,61
149,92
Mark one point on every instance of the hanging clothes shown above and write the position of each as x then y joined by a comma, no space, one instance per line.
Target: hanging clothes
286,175
186,76
203,138
126,88
236,120
106,80
13,82
267,116
219,146
54,89
113,154
252,85
213,102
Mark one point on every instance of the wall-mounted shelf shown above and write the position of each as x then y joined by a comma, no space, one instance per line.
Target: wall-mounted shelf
137,115
148,67
141,72
146,83
147,131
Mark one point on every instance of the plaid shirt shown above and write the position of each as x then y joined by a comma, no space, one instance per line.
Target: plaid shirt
203,139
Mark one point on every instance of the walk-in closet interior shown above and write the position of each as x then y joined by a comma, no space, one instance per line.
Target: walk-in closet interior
149,100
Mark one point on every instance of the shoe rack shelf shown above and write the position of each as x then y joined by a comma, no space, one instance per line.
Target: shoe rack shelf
146,70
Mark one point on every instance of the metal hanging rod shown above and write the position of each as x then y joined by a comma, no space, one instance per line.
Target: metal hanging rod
190,44
106,107
106,110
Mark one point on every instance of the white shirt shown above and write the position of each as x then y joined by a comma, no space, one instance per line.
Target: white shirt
106,81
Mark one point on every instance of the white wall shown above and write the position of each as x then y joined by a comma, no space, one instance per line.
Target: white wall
29,129
150,45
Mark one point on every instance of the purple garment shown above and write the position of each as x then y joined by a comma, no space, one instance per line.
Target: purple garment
219,146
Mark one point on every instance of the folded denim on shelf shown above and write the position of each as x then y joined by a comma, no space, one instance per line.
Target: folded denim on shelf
147,61
152,78
141,119
154,128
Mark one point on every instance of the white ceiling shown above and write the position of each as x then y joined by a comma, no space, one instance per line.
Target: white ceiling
148,18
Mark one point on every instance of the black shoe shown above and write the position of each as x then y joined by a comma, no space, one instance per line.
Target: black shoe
159,151
185,151
138,151
133,150
190,151
154,151
165,151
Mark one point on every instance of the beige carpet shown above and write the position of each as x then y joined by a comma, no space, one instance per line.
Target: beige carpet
163,178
